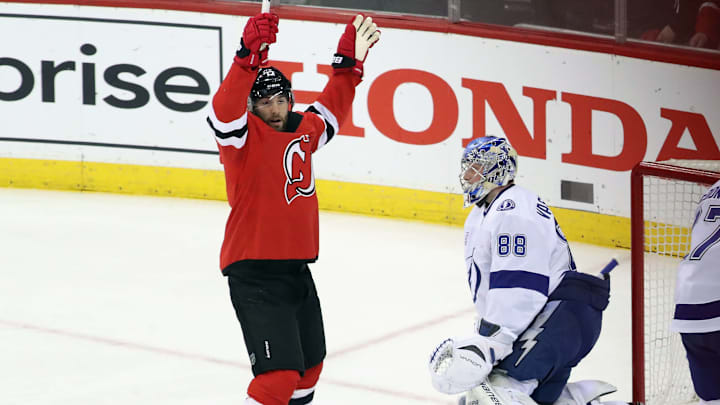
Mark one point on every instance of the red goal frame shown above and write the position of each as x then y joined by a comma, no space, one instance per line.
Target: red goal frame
637,248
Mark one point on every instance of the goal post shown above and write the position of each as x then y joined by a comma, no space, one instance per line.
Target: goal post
664,197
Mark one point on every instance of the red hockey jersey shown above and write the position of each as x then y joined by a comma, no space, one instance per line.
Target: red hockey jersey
268,174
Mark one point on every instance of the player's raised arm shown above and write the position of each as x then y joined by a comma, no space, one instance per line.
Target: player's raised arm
336,99
228,116
259,33
359,36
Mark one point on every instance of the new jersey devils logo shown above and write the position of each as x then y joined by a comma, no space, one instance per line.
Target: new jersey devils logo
298,170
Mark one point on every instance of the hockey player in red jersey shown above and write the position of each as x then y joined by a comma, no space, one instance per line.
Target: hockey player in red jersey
272,232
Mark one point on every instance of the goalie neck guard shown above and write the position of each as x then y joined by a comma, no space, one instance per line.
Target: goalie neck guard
270,82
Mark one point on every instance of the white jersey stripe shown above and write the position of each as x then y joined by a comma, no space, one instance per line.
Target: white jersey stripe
324,137
330,119
235,138
233,133
301,393
226,127
234,141
695,325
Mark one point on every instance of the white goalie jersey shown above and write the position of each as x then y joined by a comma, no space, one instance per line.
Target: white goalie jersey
515,255
697,291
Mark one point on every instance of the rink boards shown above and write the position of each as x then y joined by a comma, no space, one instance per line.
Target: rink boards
116,99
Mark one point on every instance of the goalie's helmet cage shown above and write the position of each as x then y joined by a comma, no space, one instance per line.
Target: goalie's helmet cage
493,159
270,82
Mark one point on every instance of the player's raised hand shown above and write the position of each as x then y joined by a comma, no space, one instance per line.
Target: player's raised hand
260,29
359,36
366,36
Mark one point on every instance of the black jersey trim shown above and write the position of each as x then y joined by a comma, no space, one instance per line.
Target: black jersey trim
293,121
239,133
329,129
264,265
302,400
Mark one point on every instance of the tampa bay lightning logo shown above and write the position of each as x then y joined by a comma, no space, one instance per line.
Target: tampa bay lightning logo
506,205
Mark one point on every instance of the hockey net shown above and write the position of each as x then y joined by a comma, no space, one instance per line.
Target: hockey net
664,199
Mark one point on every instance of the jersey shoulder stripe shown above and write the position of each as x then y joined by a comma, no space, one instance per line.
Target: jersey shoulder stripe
331,122
234,138
225,127
233,133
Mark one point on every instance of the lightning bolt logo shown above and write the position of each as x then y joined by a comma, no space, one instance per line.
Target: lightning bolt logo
529,342
528,337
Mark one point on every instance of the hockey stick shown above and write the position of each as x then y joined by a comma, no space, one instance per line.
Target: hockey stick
608,267
265,8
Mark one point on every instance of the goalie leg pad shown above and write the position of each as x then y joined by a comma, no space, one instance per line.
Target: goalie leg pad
485,394
586,392
500,389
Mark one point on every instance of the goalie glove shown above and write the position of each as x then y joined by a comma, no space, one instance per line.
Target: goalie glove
260,29
461,364
359,36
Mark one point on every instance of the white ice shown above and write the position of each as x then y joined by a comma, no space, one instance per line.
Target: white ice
111,299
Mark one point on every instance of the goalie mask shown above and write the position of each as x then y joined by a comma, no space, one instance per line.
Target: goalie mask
270,82
487,162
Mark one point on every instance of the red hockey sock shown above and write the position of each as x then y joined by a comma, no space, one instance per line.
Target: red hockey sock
310,378
274,387
305,390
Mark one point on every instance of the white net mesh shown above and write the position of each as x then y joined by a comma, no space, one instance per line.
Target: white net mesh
669,209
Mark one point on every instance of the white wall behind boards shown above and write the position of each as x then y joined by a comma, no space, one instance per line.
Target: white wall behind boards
573,115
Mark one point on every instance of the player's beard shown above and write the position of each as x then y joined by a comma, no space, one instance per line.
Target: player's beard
278,122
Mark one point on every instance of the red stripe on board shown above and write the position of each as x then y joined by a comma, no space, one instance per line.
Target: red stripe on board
647,51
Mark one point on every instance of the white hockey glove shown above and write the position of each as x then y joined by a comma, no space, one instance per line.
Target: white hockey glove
461,364
359,36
